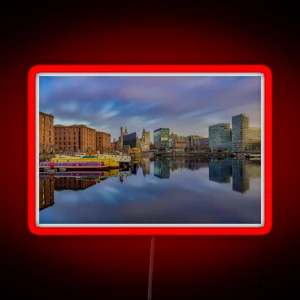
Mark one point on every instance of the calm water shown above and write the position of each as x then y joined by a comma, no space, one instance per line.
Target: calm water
165,192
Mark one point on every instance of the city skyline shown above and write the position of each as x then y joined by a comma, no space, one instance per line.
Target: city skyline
185,104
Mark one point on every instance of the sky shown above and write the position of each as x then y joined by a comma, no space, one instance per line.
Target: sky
185,104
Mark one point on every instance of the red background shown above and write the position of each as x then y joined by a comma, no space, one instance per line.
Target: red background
228,266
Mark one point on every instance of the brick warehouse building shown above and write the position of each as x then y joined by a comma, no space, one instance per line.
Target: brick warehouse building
103,142
46,132
77,137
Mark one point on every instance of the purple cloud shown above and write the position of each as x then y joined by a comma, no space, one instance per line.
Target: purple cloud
184,104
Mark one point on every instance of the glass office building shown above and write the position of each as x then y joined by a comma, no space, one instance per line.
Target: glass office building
245,138
219,136
161,138
254,139
131,140
240,125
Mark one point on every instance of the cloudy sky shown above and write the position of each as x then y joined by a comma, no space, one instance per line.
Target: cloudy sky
187,105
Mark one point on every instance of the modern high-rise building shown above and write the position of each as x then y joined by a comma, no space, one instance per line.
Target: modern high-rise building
219,136
240,125
77,137
254,139
161,138
46,132
131,139
245,138
103,142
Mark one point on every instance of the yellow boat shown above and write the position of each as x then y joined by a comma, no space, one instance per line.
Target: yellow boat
135,150
88,158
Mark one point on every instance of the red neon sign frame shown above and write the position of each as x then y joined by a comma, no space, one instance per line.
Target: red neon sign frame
155,69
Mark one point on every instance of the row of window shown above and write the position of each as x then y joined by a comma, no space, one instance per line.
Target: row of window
66,133
64,143
68,138
74,130
65,129
90,138
74,140
43,131
49,120
44,139
43,125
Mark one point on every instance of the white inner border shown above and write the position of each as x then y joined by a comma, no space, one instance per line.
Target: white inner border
155,225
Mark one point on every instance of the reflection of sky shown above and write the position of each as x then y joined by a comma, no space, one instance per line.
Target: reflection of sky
186,197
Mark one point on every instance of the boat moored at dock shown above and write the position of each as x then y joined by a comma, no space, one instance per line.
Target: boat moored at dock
119,158
88,161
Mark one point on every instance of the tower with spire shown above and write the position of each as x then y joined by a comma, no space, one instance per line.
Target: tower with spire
145,140
121,138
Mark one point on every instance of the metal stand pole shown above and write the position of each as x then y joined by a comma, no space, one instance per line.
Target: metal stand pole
151,268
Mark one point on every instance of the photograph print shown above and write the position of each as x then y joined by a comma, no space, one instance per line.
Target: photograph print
150,149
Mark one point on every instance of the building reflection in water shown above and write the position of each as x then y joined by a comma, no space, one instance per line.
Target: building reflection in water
220,171
195,164
240,170
48,184
177,164
237,172
46,192
145,165
162,169
241,181
73,183
135,168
